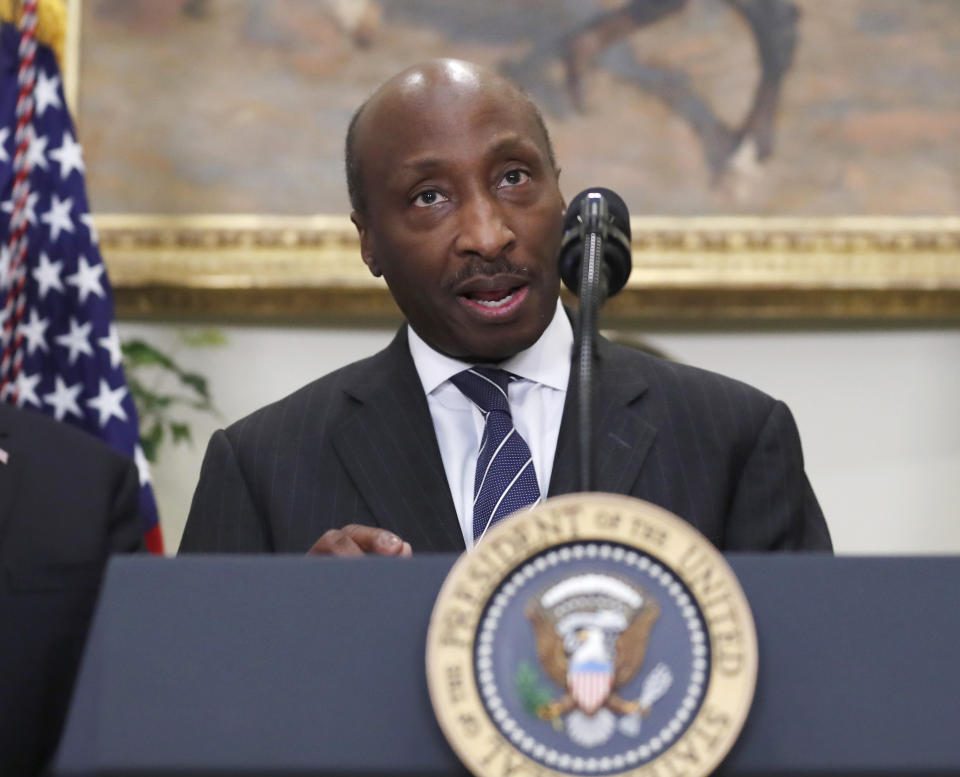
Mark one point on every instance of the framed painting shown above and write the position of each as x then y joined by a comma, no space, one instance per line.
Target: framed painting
782,158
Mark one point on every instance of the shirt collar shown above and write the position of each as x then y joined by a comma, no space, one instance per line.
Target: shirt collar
547,361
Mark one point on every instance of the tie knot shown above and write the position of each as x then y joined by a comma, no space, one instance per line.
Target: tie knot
485,387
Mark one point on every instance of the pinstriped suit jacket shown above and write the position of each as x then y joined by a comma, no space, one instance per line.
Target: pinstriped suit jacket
358,446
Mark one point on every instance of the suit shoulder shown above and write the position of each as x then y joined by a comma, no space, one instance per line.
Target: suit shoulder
57,438
697,386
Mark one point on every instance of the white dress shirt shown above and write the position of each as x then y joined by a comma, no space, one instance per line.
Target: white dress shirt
536,404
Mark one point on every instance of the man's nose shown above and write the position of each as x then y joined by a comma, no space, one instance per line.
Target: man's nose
483,230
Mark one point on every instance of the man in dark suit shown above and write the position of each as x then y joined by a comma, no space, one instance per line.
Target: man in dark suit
455,196
66,501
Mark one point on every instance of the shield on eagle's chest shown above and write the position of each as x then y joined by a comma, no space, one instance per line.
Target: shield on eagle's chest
590,684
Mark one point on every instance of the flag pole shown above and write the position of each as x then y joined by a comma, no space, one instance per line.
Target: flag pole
14,304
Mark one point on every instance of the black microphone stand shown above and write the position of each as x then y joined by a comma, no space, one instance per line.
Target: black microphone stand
593,292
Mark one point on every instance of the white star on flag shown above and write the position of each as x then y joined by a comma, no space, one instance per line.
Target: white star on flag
107,402
37,151
111,344
87,279
77,340
87,219
46,92
47,275
34,332
63,399
5,261
143,466
4,134
4,456
29,210
58,217
27,389
69,155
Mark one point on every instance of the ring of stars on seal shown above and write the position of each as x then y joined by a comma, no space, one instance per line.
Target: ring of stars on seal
592,635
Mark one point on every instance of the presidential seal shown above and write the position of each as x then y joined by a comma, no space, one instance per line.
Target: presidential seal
592,635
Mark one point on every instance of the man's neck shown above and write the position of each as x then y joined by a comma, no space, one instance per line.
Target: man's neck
547,361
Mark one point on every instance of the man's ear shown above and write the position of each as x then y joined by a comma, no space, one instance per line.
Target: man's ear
563,200
365,249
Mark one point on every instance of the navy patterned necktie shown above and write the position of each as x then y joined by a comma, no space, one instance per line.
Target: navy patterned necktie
506,480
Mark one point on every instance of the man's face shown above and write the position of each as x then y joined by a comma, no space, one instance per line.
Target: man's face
463,217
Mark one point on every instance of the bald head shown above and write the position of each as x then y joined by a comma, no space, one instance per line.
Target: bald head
432,85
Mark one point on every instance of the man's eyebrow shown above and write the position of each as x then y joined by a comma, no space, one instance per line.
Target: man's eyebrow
418,166
512,142
422,163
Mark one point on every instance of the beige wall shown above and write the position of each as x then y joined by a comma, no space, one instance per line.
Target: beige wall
877,410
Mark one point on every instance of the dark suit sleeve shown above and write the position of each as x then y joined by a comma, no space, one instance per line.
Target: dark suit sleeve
774,507
223,517
125,526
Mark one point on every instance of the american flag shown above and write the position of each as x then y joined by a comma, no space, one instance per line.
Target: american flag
71,359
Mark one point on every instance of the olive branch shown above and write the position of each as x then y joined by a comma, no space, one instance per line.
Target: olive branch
533,694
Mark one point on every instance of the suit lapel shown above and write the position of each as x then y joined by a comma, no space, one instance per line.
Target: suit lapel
621,436
390,450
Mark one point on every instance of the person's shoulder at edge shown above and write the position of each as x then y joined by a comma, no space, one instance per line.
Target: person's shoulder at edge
664,373
741,419
84,458
51,435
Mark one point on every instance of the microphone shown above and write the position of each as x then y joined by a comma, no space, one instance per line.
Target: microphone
594,263
596,213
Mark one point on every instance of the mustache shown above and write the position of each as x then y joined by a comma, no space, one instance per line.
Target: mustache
485,268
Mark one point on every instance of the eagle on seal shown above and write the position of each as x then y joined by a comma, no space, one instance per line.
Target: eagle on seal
591,633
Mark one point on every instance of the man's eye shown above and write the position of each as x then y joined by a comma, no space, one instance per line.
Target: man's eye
428,198
515,177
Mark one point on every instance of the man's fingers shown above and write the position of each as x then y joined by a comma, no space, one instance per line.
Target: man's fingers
336,542
355,540
380,541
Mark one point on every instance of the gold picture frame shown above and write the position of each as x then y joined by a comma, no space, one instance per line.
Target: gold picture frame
685,269
690,269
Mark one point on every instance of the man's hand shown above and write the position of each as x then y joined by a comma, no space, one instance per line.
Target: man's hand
356,540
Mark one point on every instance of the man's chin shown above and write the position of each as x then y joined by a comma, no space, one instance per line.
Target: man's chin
494,350
485,341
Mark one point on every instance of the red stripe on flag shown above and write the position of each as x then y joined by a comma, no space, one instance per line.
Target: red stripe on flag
155,540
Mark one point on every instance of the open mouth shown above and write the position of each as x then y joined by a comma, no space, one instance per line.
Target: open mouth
493,299
495,302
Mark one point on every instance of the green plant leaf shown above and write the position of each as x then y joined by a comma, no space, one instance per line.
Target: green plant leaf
180,432
197,382
203,338
151,439
135,387
139,353
149,449
150,372
153,402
